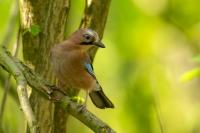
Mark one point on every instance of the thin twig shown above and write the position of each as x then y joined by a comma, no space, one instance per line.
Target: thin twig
4,98
159,116
156,106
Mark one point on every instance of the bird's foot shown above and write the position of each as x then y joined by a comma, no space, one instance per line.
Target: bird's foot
82,108
81,102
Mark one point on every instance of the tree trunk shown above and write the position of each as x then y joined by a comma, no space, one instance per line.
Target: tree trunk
43,25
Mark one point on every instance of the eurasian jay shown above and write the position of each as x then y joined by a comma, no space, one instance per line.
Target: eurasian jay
72,65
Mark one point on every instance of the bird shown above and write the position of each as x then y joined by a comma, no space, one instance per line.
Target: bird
72,65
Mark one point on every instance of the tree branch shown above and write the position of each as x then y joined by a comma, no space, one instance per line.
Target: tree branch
24,102
24,74
12,68
86,117
49,17
95,16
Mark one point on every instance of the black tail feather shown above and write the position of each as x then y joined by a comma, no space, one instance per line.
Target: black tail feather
100,100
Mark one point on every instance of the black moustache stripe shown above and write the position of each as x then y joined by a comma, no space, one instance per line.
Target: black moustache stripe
86,43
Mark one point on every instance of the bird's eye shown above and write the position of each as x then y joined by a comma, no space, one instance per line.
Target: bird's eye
87,36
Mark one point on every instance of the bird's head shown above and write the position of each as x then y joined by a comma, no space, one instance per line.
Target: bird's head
86,38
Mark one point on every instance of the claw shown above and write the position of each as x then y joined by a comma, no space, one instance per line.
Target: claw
81,108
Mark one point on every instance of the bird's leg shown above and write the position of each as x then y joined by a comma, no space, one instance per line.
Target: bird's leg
86,97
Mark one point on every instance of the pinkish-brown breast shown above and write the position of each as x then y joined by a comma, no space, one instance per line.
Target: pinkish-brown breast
68,66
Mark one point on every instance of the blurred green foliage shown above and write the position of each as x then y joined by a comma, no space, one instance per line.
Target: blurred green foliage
150,44
189,75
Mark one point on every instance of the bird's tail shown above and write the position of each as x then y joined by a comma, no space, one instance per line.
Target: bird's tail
100,100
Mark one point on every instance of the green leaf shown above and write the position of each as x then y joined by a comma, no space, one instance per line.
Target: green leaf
34,30
189,75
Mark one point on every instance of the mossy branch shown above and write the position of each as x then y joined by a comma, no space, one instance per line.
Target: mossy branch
24,74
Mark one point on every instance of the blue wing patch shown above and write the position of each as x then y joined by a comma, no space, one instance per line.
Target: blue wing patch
89,69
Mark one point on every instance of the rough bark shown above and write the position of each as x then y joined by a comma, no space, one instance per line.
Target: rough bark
43,24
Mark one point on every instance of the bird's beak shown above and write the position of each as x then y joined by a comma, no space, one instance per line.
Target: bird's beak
99,44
